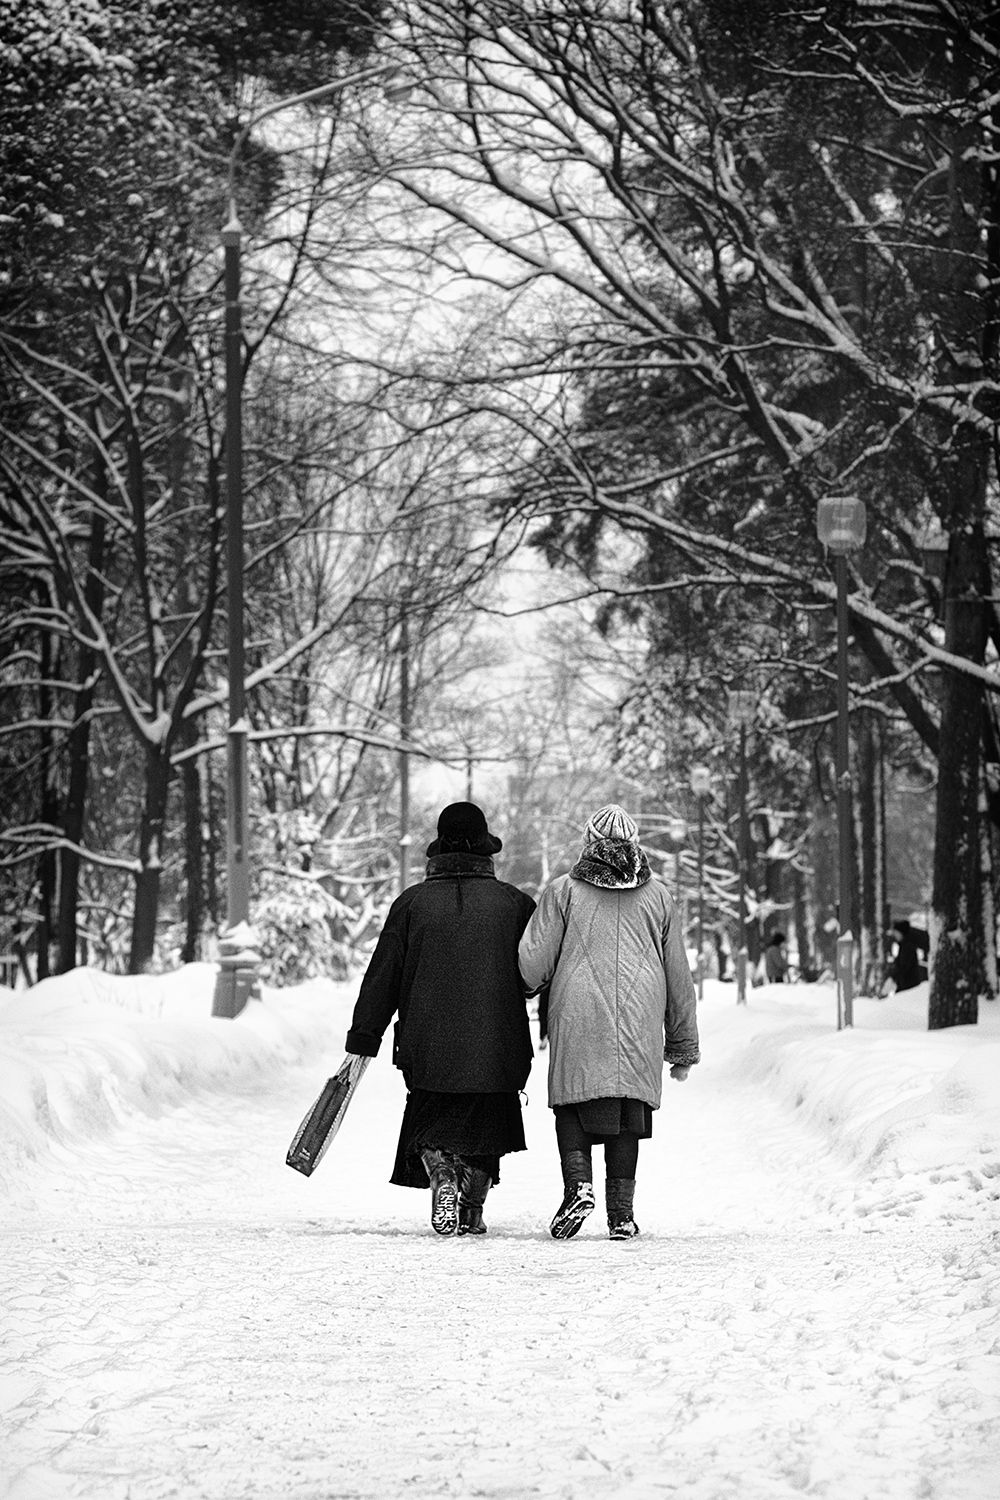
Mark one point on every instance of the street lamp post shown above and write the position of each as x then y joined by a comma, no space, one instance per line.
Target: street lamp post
701,783
677,831
840,525
933,544
405,837
741,708
238,959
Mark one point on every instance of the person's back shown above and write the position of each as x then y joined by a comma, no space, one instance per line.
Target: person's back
776,959
446,962
608,995
906,970
606,939
462,1017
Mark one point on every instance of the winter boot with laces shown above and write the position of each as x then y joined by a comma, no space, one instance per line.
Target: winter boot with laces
578,1197
440,1168
473,1185
619,1193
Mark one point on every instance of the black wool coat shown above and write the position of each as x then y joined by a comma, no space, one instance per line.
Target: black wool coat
446,961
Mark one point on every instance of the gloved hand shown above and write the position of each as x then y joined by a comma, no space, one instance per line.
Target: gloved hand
679,1073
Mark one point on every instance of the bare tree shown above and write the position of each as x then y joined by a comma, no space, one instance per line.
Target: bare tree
770,243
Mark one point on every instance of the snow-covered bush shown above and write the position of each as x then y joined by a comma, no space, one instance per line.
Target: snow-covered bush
304,934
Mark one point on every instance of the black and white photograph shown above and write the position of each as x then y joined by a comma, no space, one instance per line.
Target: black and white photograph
499,750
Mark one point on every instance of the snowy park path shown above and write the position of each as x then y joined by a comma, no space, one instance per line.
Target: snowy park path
186,1317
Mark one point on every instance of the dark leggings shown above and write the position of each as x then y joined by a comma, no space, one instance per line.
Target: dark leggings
621,1152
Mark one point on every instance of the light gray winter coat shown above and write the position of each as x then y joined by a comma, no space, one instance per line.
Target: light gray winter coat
621,998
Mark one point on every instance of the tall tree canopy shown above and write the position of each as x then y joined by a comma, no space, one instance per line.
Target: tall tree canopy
773,236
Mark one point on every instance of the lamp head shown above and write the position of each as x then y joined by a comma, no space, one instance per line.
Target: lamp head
398,86
701,781
841,523
741,704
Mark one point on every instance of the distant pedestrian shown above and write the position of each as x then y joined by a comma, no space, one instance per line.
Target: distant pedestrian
908,967
776,959
446,961
607,941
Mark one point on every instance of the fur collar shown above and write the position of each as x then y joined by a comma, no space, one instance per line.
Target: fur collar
447,866
614,864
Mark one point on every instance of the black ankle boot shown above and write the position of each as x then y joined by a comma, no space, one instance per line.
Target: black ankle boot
578,1195
473,1185
619,1193
440,1168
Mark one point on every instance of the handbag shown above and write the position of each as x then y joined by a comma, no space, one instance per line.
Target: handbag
315,1135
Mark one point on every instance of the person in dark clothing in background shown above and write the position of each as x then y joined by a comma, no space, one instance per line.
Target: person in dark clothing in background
776,959
909,964
446,961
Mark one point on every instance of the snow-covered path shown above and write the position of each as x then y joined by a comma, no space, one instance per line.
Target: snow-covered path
186,1317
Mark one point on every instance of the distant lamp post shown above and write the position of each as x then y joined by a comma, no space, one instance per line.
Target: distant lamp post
701,786
741,710
405,728
677,832
238,958
933,544
841,527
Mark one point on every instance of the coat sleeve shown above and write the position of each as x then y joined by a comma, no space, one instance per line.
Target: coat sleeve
378,998
538,951
681,1048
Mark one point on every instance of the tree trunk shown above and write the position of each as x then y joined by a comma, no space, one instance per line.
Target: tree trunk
48,809
194,850
147,881
871,851
74,816
989,897
804,921
962,951
959,941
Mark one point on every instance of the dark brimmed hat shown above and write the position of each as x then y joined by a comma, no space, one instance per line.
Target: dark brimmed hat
462,830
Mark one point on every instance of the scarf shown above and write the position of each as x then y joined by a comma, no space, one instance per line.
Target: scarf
613,864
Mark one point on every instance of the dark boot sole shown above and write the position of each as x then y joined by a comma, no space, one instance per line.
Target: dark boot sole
568,1220
444,1209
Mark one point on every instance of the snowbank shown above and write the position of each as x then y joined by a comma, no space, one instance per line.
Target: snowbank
916,1113
82,1052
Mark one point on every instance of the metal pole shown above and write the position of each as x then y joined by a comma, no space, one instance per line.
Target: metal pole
404,756
235,979
845,941
701,897
741,953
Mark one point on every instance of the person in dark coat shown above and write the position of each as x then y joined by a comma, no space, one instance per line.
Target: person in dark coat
446,963
776,959
908,967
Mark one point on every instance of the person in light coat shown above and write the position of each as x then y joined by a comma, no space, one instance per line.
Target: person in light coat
606,940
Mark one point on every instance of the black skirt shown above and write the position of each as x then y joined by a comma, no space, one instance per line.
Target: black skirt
480,1128
603,1117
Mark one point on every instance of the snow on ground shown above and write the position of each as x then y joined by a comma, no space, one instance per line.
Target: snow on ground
812,1308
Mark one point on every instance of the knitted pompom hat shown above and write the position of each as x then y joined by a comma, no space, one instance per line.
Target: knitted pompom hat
611,822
